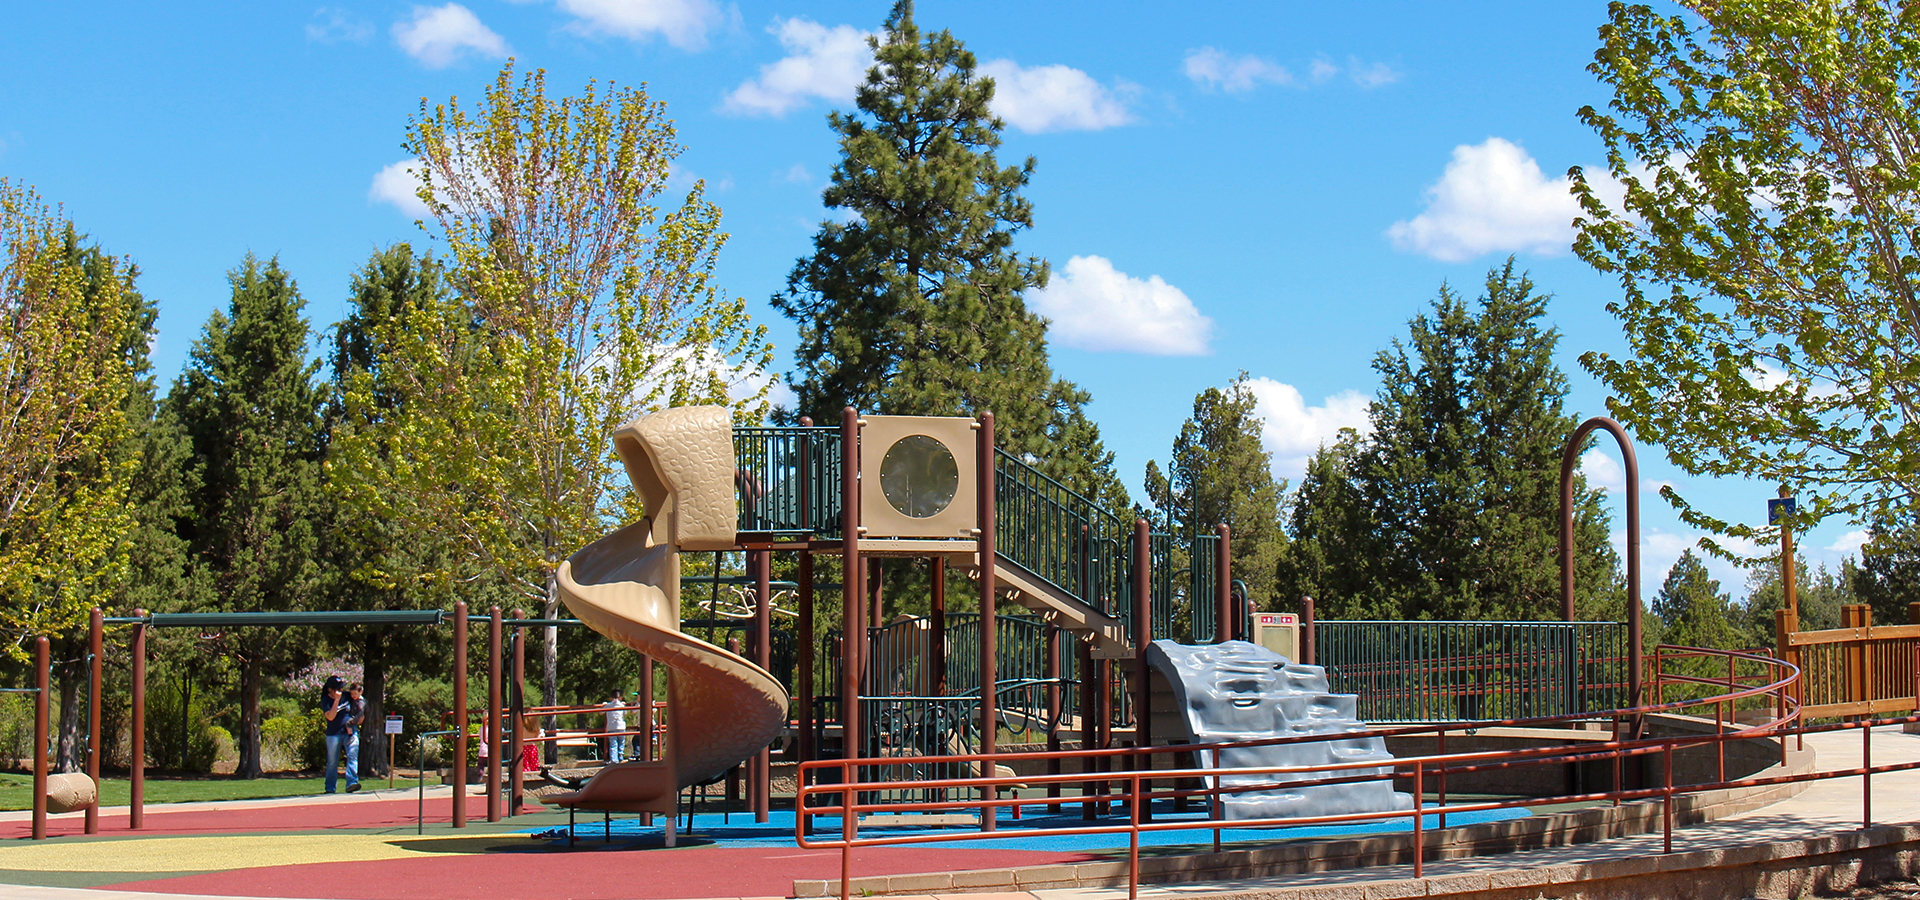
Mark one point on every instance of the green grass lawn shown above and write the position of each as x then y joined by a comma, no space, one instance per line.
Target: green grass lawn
16,790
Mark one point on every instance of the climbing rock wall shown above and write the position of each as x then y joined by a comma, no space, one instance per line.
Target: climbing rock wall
1237,691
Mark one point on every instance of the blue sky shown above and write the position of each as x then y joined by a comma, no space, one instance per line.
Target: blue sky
1275,188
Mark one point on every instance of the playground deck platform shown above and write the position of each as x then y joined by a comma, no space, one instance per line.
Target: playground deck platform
365,846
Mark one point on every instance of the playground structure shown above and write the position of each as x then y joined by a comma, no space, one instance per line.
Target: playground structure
895,716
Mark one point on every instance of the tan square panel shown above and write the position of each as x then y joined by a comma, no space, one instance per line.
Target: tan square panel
918,477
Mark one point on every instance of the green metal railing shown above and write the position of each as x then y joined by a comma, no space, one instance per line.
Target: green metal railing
1062,537
788,479
1464,671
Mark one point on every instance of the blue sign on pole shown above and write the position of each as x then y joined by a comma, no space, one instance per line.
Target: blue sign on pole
1777,508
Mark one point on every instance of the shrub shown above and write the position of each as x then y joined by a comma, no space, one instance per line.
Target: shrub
164,731
294,742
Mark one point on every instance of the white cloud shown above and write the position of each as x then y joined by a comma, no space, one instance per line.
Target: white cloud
1603,472
1371,75
1322,70
1096,307
397,184
683,23
331,24
1492,197
1849,543
439,36
1295,430
1212,68
821,62
1052,98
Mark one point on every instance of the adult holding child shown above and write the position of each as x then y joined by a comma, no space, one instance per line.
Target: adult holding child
338,710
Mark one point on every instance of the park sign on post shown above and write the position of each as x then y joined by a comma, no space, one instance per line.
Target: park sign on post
1781,507
396,724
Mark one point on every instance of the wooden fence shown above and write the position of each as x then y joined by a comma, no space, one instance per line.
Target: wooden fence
1856,670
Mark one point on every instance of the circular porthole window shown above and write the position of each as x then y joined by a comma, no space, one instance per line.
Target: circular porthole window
919,476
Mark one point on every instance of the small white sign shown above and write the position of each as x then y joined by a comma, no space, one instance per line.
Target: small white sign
396,724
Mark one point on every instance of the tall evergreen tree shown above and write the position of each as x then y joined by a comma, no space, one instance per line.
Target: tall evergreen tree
250,408
1458,483
914,304
1692,610
1332,533
1220,473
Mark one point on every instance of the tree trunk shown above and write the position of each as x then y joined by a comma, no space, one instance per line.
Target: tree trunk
68,753
550,658
249,737
373,729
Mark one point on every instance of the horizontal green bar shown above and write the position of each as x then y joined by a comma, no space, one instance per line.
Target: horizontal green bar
282,619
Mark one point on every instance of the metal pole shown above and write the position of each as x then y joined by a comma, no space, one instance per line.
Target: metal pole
1306,631
1089,735
42,661
491,721
96,639
1419,845
1142,637
518,703
852,627
808,751
1224,622
938,628
989,624
1568,460
761,787
1053,709
137,759
460,714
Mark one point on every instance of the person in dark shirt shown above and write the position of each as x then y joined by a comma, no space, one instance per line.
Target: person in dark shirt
337,708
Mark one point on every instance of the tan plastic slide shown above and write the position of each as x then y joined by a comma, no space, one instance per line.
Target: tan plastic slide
721,707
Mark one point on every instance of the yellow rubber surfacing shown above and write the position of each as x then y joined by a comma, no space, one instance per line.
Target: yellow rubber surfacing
215,852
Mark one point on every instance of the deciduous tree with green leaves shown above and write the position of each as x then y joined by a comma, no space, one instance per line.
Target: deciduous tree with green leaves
66,375
579,303
1761,210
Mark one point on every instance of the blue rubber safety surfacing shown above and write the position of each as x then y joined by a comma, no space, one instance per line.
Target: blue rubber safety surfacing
1030,832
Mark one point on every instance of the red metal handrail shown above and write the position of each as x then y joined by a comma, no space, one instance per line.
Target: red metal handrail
982,793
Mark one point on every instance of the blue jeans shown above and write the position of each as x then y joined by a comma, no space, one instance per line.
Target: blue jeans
336,745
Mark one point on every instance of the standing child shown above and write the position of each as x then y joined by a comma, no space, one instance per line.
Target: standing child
616,723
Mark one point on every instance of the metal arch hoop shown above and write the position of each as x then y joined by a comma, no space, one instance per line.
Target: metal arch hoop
1567,462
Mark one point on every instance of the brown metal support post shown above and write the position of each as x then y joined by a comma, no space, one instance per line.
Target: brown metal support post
460,714
761,786
1053,711
1104,719
96,638
989,625
1089,732
492,718
137,757
1142,637
1306,631
1224,620
808,751
852,628
876,589
938,614
1568,460
519,687
42,662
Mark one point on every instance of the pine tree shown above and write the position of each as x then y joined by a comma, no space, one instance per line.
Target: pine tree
913,305
1331,536
1692,610
1220,473
250,408
1457,486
